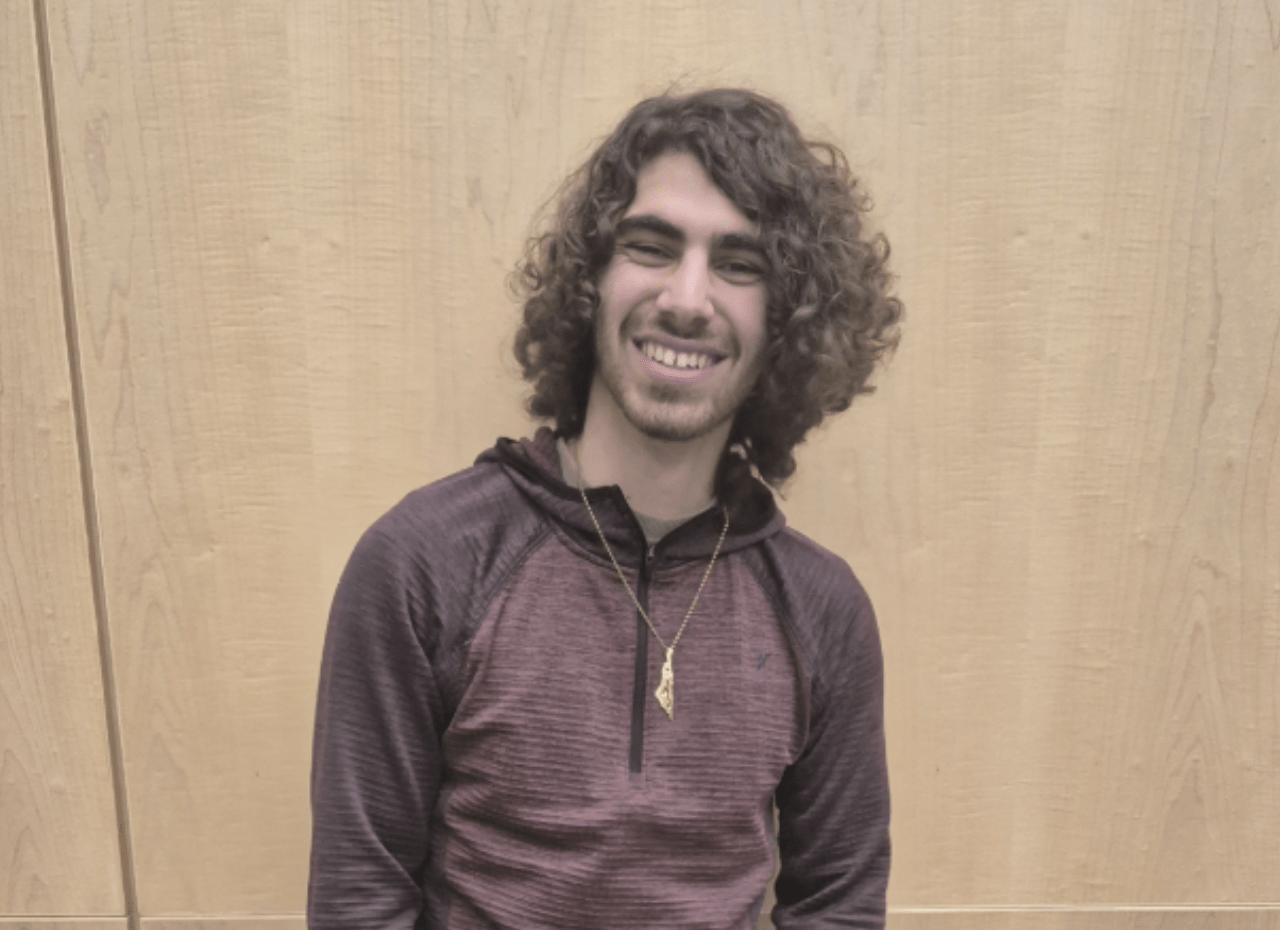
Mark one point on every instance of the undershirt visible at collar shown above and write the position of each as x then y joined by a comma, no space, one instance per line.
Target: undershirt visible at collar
654,527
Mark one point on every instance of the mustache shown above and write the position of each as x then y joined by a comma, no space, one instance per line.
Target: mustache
680,326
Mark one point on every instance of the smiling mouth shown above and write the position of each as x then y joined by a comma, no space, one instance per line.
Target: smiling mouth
688,361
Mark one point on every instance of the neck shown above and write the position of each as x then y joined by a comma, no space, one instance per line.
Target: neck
660,478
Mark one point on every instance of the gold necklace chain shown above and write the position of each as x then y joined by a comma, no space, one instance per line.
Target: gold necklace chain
665,694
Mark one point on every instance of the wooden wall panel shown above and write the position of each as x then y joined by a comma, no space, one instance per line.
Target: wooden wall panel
177,144
59,852
291,227
1066,500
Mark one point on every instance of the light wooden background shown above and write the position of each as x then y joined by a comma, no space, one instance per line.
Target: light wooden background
252,262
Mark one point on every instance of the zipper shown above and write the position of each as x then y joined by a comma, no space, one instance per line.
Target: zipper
640,681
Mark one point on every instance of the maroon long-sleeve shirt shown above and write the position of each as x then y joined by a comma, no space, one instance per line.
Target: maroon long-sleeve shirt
488,752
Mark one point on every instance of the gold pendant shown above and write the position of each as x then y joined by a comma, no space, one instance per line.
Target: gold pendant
666,693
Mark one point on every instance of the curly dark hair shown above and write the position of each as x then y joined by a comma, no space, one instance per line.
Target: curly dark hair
830,315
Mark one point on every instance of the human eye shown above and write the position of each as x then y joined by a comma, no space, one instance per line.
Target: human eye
738,269
646,252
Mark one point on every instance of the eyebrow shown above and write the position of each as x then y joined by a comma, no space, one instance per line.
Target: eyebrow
648,222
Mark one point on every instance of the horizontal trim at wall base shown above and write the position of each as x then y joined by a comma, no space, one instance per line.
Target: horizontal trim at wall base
63,923
1093,917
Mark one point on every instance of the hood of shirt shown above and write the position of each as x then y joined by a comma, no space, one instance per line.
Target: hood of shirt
533,465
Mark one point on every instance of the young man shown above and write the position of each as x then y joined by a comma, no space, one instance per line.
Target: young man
565,687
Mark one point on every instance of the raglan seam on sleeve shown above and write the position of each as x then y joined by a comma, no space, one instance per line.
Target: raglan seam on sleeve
523,553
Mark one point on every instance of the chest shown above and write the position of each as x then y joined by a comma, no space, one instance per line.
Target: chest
558,687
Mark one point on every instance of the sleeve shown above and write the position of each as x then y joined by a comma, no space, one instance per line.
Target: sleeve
833,802
376,759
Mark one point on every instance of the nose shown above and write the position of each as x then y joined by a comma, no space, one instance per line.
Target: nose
687,290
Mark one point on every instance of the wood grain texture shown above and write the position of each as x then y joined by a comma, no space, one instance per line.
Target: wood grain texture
59,852
176,151
1066,500
291,228
65,923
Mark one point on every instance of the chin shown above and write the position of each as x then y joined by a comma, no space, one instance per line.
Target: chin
674,425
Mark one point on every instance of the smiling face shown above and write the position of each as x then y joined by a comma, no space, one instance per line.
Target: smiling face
680,331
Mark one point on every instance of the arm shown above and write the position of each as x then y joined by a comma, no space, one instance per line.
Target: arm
833,802
376,761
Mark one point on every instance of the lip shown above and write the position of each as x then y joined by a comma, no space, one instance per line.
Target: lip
676,344
677,375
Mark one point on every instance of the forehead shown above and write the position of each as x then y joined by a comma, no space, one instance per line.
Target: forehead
675,187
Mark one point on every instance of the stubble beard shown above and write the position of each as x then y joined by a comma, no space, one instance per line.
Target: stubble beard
667,412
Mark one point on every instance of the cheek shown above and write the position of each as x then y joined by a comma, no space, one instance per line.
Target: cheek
622,288
622,278
607,311
753,325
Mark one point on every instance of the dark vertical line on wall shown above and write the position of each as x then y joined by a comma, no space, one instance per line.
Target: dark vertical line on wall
110,697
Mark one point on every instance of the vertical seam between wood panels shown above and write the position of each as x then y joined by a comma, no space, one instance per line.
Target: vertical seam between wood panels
93,532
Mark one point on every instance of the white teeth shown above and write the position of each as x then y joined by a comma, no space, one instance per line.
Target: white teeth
673,359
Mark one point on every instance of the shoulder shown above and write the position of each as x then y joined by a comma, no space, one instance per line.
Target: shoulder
824,607
809,577
456,515
448,543
423,574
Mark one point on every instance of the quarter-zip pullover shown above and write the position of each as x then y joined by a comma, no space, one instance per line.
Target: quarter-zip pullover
488,750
